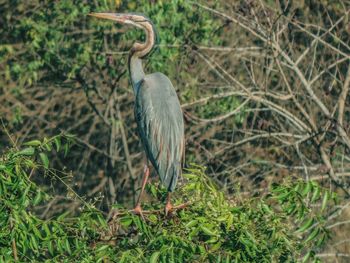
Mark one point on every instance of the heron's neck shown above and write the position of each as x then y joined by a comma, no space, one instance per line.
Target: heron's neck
136,72
139,51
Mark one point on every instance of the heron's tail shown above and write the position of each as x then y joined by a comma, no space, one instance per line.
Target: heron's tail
171,176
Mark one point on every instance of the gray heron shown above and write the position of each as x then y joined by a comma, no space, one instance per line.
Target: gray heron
157,110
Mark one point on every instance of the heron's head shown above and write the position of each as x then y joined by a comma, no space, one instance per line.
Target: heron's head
137,20
128,19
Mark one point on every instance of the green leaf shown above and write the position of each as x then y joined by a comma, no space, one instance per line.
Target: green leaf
153,189
246,241
325,200
229,220
153,218
154,257
126,221
305,226
48,146
37,198
208,231
24,197
321,240
36,232
46,229
316,194
212,240
306,257
313,235
284,195
50,248
33,143
190,176
67,246
291,208
70,136
34,242
307,188
27,152
44,160
191,223
58,143
101,248
66,149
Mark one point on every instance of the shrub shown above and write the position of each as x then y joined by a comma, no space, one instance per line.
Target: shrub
279,227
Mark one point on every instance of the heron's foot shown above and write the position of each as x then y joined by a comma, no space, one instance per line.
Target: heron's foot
169,208
138,211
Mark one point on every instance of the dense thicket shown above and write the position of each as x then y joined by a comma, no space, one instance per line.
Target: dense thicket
280,227
263,85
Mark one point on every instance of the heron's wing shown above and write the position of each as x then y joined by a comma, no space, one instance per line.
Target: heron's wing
161,128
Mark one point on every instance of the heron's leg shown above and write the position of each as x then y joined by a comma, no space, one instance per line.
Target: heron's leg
168,205
138,209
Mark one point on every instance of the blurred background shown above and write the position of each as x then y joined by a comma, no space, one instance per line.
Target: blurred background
263,86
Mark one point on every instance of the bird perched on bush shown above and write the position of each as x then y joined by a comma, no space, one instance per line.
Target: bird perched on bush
157,110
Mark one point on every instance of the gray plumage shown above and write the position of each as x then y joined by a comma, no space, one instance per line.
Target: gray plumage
160,123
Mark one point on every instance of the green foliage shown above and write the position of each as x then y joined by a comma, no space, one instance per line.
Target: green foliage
22,232
56,39
279,227
178,24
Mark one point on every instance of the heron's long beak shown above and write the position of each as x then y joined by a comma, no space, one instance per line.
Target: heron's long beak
120,18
